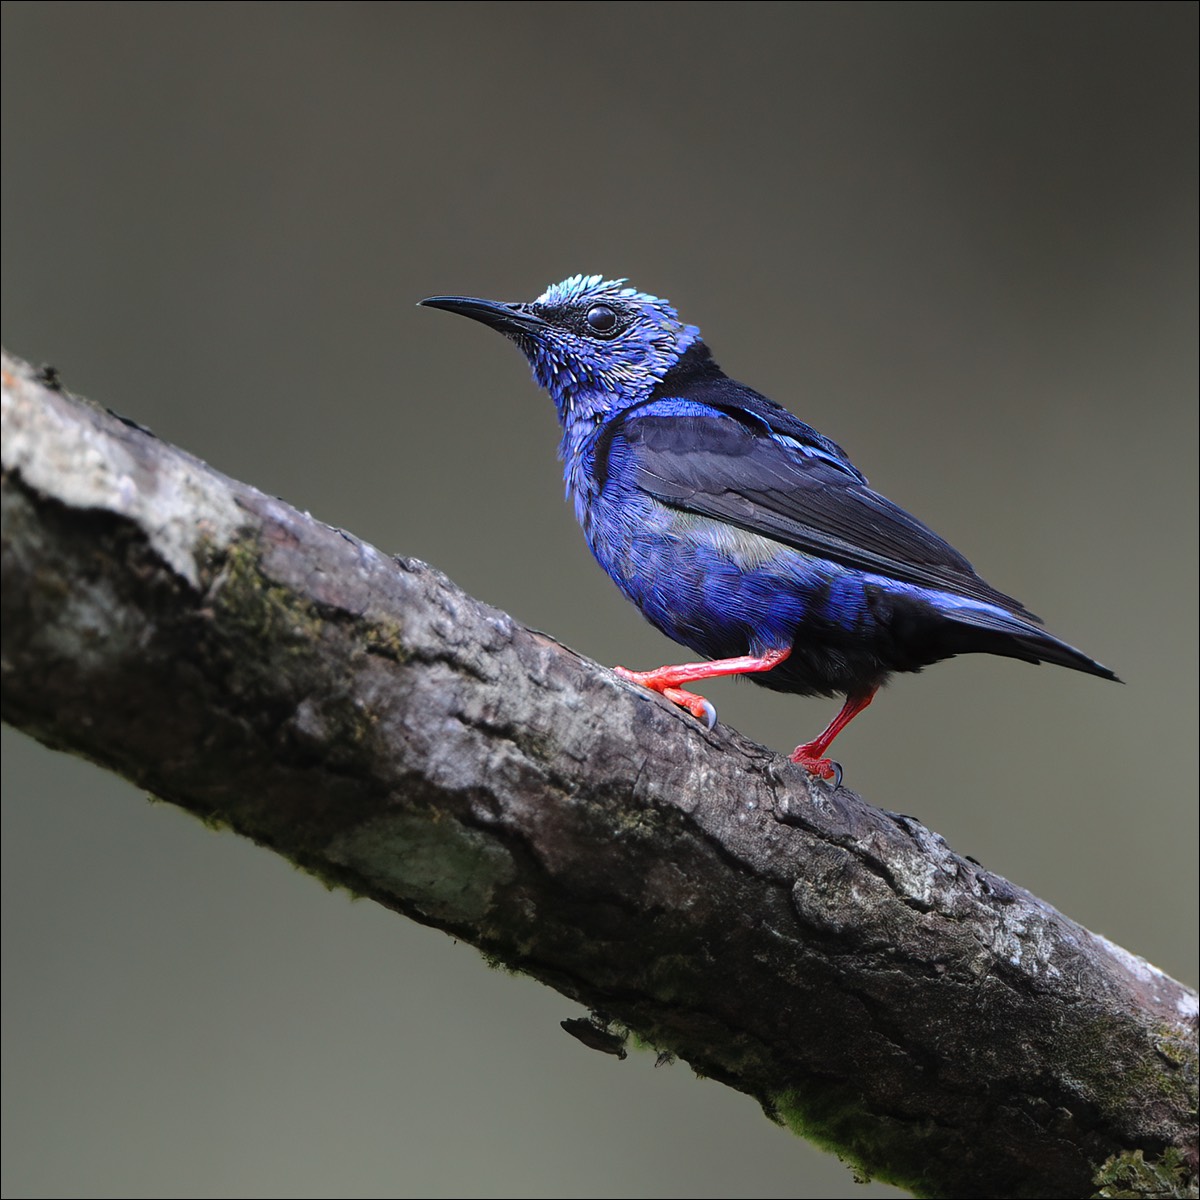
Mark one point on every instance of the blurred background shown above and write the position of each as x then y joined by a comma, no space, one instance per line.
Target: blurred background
959,239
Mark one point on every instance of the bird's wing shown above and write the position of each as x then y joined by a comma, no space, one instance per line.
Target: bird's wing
735,466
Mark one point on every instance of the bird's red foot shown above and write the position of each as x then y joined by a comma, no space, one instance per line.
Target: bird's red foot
811,756
822,768
666,680
662,681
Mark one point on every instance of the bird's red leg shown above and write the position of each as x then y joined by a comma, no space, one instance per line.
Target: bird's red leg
811,755
667,679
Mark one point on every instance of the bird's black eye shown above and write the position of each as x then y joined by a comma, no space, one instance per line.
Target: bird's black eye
602,320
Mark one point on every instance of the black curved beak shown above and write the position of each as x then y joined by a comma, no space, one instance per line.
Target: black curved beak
507,318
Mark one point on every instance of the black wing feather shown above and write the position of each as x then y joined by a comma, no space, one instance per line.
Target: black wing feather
732,470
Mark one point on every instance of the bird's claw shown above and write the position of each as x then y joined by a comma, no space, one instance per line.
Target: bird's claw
825,769
703,710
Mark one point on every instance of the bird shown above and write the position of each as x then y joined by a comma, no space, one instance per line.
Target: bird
738,530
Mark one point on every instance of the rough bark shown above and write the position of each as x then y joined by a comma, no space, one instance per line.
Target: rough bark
929,1021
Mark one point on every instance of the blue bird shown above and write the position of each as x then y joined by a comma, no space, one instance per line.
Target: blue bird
737,529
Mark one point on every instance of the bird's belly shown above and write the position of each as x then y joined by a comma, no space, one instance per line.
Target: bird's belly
725,592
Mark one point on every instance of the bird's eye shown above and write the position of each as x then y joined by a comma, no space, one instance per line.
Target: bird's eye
602,320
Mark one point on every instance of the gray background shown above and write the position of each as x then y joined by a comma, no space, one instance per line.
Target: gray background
960,239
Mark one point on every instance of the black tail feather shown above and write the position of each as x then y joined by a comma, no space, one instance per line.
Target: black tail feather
993,632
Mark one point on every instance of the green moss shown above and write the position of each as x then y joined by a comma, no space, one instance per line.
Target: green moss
385,637
1129,1176
1179,1050
213,821
274,632
330,880
835,1119
263,612
1168,1073
499,964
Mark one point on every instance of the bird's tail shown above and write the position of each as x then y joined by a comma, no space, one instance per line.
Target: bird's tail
994,631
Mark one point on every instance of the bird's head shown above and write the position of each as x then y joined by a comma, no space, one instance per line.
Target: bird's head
595,344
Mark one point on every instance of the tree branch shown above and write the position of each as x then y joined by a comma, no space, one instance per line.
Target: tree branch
363,717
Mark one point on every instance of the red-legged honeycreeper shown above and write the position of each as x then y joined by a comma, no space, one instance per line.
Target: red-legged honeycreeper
738,530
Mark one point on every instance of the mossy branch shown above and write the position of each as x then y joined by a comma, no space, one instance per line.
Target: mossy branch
935,1025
